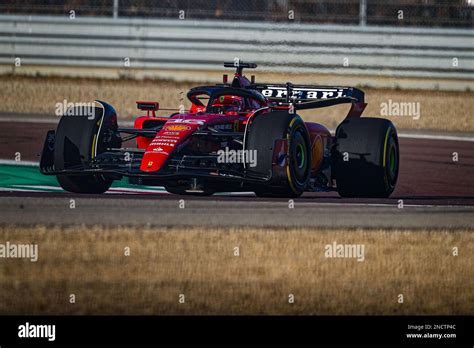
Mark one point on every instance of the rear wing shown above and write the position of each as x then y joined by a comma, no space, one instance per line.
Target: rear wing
310,96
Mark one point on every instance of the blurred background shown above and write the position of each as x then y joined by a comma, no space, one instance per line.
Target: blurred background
418,53
423,13
121,50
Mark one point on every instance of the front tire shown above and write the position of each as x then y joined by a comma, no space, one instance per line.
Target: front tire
84,184
78,140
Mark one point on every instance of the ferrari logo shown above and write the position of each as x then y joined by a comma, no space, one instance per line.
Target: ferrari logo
150,163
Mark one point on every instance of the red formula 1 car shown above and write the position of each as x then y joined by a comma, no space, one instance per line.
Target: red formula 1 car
237,136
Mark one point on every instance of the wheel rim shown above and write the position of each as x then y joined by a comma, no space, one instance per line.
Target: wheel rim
300,158
299,155
392,160
392,167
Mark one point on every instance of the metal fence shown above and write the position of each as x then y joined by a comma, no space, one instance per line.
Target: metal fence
403,13
205,44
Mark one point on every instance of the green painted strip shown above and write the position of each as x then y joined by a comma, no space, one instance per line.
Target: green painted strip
28,178
16,176
11,175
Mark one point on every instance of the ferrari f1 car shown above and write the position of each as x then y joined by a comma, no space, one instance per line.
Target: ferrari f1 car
238,135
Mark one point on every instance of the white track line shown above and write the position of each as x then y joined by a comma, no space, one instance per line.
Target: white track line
19,163
12,189
394,205
435,137
132,190
468,138
22,119
48,120
44,187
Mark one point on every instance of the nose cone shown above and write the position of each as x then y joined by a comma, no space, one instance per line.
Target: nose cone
171,135
152,162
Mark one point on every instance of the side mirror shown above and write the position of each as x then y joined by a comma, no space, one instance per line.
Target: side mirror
150,107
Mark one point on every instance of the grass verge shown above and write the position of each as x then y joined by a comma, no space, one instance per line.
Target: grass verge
201,264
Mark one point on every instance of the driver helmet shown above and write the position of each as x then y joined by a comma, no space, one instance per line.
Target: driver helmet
228,104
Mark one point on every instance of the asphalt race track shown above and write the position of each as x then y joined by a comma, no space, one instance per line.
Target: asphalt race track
436,193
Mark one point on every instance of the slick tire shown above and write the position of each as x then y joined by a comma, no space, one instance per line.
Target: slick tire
84,184
262,134
78,140
366,158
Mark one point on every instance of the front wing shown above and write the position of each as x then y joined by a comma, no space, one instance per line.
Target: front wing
124,162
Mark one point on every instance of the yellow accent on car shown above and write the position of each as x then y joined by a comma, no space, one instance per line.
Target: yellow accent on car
93,146
288,172
385,147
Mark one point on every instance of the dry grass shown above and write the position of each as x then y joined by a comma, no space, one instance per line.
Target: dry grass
442,111
164,263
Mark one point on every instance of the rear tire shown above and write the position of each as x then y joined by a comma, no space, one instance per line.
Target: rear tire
366,158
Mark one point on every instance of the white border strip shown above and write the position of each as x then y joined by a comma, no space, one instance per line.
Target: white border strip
39,187
52,121
22,119
435,137
468,138
393,205
19,163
